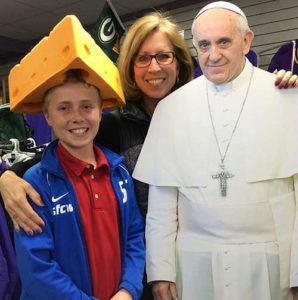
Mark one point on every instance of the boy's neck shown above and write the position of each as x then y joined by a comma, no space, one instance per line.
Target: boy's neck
86,154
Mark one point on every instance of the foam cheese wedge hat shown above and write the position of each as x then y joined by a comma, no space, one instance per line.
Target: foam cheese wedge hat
68,46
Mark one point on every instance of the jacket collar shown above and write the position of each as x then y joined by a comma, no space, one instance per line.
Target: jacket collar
51,163
133,110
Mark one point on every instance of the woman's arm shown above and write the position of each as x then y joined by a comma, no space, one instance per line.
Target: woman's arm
14,191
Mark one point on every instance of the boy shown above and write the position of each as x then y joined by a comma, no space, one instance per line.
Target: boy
92,245
93,228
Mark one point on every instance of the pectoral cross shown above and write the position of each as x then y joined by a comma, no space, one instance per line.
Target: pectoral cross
223,176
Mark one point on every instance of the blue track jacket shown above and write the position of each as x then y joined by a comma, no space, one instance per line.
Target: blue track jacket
54,264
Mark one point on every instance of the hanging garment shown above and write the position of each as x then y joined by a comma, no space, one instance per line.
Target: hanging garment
13,125
9,275
42,133
286,58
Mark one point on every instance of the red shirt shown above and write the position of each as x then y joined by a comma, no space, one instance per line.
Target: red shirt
100,219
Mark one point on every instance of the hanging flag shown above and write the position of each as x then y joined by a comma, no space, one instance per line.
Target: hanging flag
108,30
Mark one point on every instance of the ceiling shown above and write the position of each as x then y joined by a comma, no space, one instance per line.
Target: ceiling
24,22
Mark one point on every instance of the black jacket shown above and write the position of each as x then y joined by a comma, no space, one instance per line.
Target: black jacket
123,131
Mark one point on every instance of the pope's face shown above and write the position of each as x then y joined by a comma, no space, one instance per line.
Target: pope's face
220,45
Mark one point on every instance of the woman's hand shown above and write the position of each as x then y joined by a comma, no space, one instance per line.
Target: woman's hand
122,295
285,79
14,191
164,290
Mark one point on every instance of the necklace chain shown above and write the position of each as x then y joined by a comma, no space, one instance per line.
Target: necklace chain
223,156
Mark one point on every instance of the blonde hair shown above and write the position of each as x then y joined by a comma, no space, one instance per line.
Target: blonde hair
73,75
137,34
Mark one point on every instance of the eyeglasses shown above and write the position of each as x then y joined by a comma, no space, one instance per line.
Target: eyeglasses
162,58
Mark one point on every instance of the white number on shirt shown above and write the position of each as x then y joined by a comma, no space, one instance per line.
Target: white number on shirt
123,190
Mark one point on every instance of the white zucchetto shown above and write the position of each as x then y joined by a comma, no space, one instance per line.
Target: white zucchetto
224,5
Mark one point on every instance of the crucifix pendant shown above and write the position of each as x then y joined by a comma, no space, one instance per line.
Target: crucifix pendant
223,175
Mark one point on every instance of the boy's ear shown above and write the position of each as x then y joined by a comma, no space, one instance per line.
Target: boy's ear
48,119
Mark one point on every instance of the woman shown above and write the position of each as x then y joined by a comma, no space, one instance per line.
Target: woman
146,80
154,61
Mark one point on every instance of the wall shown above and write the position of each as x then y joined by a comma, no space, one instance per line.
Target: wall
274,22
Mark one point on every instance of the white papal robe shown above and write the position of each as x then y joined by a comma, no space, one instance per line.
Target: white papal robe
242,246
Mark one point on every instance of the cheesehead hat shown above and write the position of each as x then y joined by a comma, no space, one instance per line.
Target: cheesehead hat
68,46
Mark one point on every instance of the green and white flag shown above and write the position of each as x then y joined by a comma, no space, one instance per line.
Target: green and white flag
108,30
